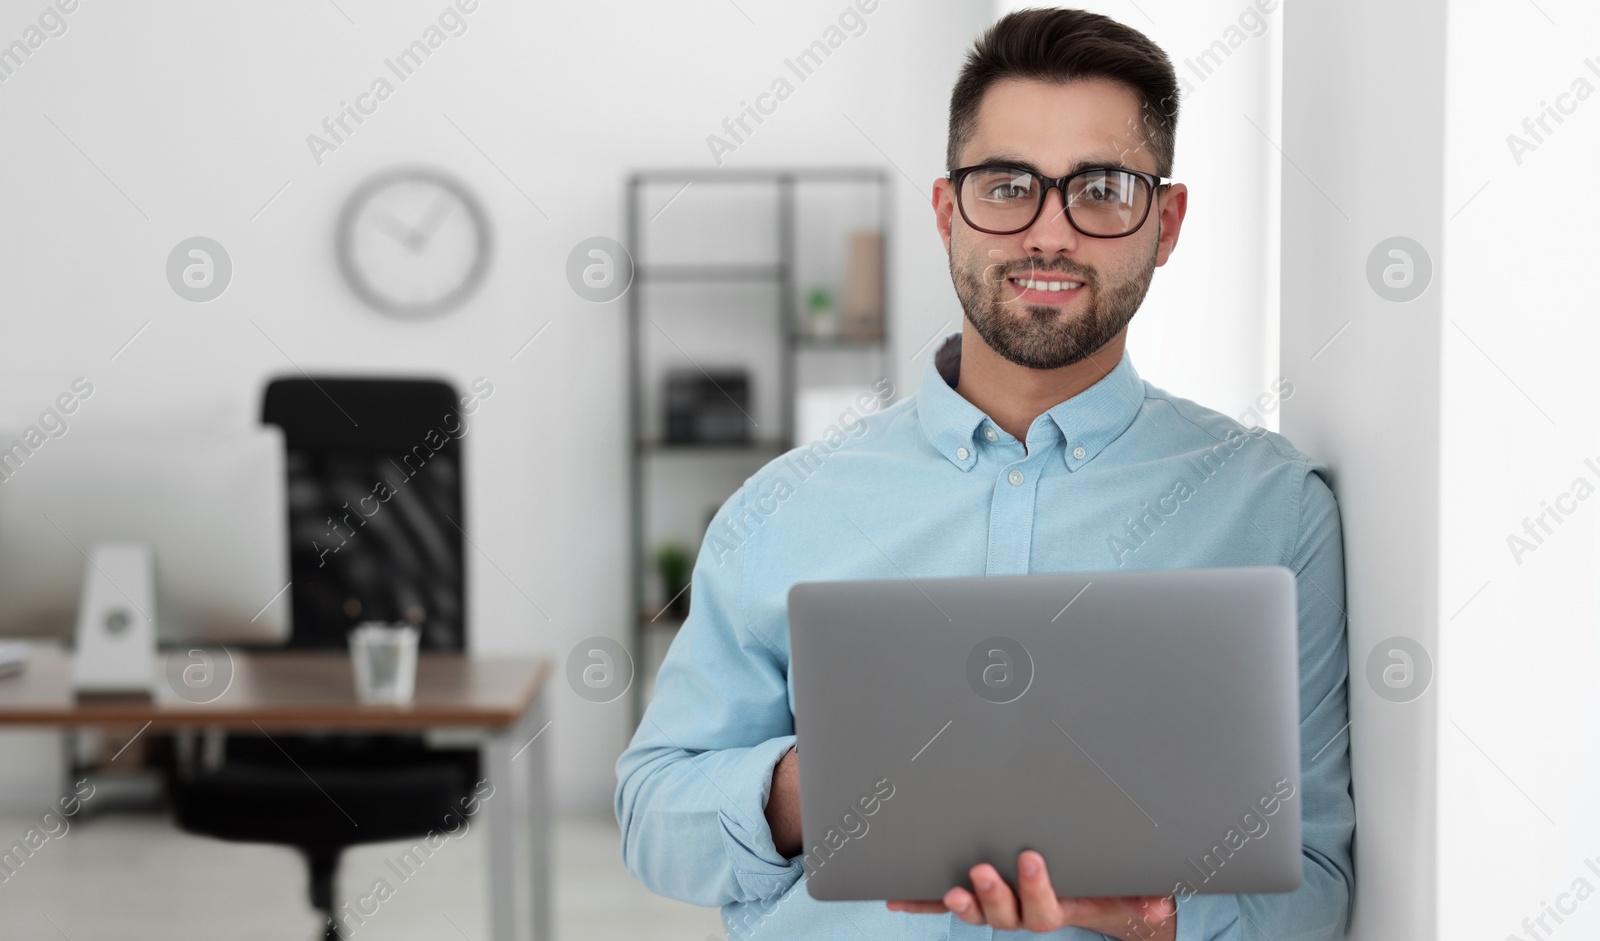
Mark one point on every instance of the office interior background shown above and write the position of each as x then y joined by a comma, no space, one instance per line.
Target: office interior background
1457,420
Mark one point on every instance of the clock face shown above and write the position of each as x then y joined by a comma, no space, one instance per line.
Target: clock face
413,242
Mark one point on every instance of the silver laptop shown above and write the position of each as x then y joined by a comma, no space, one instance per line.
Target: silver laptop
1140,729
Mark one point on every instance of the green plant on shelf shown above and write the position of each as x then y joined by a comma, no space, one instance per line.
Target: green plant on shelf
672,564
822,319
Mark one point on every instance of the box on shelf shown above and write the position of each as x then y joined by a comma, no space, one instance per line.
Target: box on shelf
711,407
861,308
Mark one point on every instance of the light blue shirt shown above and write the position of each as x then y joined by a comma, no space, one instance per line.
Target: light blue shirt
1122,475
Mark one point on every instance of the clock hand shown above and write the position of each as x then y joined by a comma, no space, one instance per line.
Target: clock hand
401,232
436,215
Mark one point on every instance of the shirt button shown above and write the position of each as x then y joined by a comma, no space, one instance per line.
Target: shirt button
990,434
1079,452
1015,477
961,454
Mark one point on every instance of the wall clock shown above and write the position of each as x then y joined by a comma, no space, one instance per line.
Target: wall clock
413,242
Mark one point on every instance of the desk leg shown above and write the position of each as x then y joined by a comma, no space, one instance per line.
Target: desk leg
519,830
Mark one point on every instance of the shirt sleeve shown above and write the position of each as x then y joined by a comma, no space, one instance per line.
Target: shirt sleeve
1318,910
692,785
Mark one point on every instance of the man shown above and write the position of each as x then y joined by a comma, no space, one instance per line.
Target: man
1031,446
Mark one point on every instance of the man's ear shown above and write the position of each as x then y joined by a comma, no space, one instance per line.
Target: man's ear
1169,221
944,207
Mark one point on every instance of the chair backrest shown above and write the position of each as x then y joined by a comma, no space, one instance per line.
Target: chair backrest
375,506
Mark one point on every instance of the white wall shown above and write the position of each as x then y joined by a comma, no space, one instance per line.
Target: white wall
1452,418
1519,703
144,125
1208,329
1367,400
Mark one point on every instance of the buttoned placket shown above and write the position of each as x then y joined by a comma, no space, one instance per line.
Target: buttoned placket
1016,487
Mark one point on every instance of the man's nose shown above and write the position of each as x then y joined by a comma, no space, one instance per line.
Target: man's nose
1051,232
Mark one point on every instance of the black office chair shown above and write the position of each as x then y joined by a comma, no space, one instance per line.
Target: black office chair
394,556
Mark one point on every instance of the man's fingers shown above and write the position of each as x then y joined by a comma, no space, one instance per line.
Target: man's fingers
1041,910
965,905
1137,911
958,900
1152,908
1035,906
998,902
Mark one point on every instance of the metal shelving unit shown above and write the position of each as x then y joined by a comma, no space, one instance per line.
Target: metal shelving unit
711,275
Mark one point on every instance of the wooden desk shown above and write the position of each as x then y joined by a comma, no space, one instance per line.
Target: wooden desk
302,691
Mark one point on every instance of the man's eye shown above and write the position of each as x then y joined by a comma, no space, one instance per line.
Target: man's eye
1004,186
1101,191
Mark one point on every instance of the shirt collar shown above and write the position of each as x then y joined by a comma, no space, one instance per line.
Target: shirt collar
1089,420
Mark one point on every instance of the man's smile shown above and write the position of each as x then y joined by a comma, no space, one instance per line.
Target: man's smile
1041,288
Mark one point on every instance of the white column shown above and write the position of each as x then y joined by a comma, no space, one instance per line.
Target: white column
1459,423
1363,143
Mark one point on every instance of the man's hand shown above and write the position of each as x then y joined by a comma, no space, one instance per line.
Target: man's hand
783,804
1131,918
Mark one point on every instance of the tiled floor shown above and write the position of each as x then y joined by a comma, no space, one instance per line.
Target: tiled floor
125,877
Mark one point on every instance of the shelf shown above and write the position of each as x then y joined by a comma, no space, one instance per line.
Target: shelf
762,175
670,483
839,343
701,274
746,447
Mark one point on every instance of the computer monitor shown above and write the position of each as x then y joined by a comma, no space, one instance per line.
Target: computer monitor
211,507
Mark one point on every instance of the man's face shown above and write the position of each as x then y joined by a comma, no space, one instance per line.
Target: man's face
1054,128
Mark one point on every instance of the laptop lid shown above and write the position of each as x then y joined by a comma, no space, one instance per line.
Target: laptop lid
1138,728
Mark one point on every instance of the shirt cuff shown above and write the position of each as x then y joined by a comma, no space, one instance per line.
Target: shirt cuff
1207,917
757,865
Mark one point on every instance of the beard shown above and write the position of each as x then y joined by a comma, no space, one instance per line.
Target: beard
1042,337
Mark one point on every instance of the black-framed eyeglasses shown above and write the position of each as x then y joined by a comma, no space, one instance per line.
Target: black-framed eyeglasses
1101,202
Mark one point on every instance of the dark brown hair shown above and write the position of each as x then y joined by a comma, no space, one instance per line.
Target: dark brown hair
1062,46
